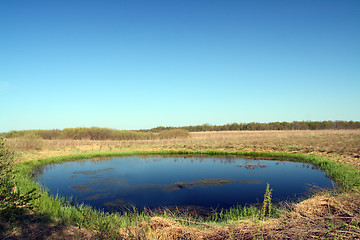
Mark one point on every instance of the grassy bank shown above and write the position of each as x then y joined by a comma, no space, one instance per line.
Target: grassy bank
347,177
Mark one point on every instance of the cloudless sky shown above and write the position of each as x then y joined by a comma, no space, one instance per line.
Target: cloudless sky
142,64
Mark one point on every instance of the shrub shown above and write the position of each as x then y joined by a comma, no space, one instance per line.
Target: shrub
11,134
6,160
32,139
6,178
13,204
48,134
174,133
75,133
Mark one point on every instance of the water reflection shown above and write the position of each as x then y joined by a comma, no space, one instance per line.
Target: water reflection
158,181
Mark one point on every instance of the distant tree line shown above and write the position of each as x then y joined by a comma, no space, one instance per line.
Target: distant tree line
96,133
254,126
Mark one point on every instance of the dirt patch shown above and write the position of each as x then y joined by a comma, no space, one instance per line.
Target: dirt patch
34,227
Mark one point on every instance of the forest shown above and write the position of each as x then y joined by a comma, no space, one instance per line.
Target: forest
254,126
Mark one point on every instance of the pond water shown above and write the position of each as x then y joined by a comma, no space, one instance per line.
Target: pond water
184,181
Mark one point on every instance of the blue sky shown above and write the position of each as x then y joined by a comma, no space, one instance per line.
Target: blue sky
142,64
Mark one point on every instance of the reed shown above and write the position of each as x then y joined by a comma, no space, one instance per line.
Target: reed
266,207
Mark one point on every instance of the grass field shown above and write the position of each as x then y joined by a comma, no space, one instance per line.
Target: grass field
338,145
326,215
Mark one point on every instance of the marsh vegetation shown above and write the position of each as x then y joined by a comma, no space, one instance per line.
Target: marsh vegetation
324,215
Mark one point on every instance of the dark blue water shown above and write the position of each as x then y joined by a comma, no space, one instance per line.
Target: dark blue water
159,181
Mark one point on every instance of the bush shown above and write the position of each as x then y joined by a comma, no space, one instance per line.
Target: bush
174,133
12,203
48,134
33,139
6,177
6,160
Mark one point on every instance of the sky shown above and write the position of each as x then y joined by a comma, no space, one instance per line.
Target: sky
140,64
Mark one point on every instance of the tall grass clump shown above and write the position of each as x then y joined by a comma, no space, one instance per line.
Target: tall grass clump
235,213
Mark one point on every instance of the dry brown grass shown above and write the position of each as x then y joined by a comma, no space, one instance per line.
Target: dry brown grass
325,216
321,217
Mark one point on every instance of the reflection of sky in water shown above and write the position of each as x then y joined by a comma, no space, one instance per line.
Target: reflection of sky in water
168,181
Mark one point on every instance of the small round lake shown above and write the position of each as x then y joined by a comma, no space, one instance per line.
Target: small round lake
185,181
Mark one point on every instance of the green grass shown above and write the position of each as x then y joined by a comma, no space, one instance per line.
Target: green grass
234,214
346,177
